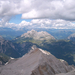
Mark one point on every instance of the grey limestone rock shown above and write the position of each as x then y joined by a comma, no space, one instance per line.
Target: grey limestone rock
36,62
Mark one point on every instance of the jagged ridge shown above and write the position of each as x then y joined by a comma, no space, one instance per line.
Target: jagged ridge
36,62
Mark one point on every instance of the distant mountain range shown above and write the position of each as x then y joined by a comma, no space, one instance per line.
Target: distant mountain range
62,49
8,33
37,62
38,53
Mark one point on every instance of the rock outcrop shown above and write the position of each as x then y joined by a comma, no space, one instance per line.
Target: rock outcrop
36,62
69,73
38,35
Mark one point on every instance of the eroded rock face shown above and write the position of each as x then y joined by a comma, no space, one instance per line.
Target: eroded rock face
50,65
38,35
36,62
69,73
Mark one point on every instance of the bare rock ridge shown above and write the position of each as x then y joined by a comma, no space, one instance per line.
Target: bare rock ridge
38,35
36,62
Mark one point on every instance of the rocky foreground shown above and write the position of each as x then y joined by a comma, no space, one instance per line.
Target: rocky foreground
37,62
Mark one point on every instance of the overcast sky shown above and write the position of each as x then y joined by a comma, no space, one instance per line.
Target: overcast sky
58,14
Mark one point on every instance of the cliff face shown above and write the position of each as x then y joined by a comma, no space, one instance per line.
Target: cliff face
36,62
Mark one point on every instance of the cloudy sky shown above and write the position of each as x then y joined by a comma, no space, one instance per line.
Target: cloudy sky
57,14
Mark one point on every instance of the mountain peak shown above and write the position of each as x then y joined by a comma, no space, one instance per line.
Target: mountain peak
36,62
29,33
33,30
43,35
34,49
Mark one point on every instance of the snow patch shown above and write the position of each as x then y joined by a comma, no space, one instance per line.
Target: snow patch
45,52
12,58
6,63
61,60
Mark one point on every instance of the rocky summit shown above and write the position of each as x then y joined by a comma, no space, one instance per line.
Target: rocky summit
37,35
36,62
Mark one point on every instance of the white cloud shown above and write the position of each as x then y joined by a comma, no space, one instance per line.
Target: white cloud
53,9
37,10
41,23
9,8
31,14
